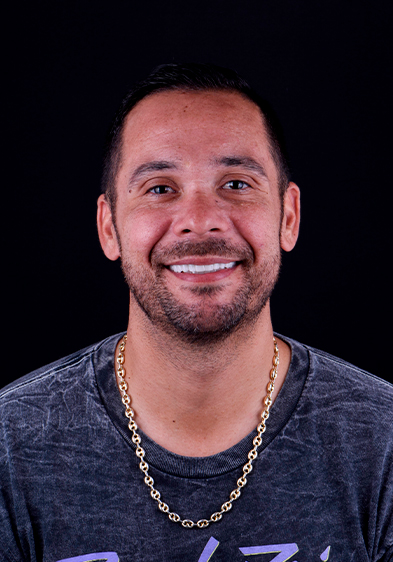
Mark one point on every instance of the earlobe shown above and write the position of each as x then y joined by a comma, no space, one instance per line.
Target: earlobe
291,218
106,229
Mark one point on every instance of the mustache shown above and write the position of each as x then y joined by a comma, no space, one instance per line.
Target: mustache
214,246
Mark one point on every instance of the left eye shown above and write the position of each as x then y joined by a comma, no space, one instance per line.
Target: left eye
236,184
161,189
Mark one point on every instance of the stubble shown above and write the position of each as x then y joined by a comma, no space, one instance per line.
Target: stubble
206,322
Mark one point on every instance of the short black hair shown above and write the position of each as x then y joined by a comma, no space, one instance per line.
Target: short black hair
189,77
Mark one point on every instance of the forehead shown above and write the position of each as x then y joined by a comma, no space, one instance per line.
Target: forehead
193,131
196,115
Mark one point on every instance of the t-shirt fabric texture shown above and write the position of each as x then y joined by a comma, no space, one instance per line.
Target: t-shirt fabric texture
321,487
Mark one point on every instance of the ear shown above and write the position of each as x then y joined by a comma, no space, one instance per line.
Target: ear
291,217
106,229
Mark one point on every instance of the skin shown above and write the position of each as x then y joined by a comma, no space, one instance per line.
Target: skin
198,185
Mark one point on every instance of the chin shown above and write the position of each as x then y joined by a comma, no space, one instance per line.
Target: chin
207,317
201,325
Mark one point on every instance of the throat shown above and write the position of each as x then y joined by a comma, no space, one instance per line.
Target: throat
186,405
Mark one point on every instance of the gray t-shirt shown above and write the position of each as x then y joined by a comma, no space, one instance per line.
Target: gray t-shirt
321,487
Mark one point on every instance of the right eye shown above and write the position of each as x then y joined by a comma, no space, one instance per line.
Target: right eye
161,189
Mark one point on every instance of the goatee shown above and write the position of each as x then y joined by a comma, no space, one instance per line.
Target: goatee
206,322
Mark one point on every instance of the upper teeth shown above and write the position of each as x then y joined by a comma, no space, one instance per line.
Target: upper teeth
191,268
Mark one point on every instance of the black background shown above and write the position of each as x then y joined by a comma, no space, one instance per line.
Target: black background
326,68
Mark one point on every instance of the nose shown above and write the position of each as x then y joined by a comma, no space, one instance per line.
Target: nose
201,213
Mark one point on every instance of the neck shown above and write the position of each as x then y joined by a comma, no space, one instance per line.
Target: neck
199,400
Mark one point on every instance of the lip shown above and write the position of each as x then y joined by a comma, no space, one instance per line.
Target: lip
203,276
201,260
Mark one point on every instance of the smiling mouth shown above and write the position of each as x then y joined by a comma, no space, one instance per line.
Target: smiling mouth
200,269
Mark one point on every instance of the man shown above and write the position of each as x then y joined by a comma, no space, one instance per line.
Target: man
153,446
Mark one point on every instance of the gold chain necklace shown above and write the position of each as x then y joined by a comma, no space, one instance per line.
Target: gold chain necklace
140,453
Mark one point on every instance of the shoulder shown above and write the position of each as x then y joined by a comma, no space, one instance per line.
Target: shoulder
341,394
346,415
330,369
50,383
345,377
331,363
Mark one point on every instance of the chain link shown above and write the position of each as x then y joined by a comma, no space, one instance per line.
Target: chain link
140,452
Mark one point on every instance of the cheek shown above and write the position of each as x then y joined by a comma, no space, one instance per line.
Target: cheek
142,231
261,230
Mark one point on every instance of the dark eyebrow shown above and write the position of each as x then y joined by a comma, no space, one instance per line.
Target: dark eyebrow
153,166
243,162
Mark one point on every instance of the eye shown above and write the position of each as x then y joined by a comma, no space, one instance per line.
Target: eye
161,189
236,185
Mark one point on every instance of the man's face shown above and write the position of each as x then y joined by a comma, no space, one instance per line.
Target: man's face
198,212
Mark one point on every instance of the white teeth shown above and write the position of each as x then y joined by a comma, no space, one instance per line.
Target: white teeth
191,268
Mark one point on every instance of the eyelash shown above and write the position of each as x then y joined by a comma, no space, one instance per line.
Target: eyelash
236,182
169,189
151,190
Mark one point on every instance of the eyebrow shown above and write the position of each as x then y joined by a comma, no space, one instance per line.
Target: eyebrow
244,162
229,161
153,166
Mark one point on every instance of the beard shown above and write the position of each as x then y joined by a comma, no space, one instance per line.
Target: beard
207,322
